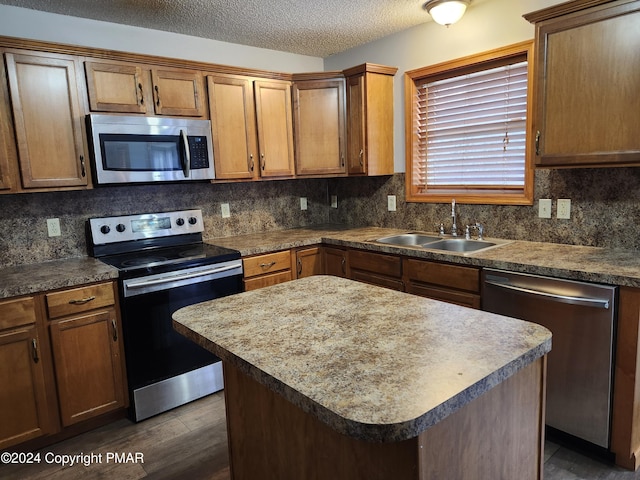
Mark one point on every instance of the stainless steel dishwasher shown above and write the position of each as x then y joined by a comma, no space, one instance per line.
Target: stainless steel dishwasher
581,317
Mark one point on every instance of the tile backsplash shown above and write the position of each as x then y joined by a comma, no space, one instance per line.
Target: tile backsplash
605,208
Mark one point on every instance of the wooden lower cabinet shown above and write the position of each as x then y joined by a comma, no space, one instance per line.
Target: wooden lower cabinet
335,261
265,270
499,435
88,365
376,268
450,283
61,363
307,261
25,412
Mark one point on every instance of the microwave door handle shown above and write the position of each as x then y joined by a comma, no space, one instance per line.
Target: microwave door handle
186,158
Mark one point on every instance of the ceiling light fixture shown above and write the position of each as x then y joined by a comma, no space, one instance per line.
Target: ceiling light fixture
446,12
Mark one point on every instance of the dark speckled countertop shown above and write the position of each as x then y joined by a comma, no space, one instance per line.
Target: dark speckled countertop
592,264
330,346
41,277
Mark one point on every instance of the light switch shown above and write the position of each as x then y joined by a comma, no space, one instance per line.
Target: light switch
334,201
544,208
224,208
391,203
303,203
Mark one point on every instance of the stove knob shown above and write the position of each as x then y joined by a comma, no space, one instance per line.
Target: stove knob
193,220
105,229
180,222
120,227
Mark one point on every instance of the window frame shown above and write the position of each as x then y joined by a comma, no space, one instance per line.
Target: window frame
457,67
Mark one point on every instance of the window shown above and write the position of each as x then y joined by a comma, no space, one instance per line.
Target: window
468,129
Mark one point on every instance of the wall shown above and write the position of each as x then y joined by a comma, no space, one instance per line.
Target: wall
35,25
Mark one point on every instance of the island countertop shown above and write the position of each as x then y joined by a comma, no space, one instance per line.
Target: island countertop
371,363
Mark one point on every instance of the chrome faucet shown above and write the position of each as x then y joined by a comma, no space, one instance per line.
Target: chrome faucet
480,229
454,227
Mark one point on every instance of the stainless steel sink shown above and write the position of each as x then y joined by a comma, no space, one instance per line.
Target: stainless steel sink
459,245
408,239
446,244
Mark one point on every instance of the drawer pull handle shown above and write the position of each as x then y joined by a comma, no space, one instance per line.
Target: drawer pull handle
82,301
267,265
141,101
115,330
34,353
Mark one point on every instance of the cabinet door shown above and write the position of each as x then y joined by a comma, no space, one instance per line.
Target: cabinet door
48,120
88,368
308,261
275,129
24,413
178,92
115,88
335,262
356,134
587,90
319,123
231,108
8,157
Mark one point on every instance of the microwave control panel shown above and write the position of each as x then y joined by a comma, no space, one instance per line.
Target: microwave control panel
199,151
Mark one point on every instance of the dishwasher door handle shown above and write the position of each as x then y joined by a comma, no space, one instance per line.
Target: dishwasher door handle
584,301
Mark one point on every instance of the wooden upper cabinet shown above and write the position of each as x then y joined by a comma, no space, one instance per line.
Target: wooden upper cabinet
48,119
178,92
116,88
133,88
319,126
8,156
252,127
587,81
274,118
370,120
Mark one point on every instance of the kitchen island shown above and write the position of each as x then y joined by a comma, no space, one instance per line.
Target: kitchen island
330,378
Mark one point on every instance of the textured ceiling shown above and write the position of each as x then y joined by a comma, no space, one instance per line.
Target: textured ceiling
318,28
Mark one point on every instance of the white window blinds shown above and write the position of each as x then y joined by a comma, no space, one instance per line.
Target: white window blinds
471,129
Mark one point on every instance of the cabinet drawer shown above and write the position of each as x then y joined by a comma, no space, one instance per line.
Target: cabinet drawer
379,263
76,300
266,280
17,312
269,263
453,276
452,296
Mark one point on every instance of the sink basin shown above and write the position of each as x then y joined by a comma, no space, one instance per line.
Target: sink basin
408,239
443,244
460,245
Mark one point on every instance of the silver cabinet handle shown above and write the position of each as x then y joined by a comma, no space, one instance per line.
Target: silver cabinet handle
82,301
267,265
34,352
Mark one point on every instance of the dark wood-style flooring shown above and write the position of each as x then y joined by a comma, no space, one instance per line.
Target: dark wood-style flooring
190,443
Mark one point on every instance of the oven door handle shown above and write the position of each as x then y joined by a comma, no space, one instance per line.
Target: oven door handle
175,278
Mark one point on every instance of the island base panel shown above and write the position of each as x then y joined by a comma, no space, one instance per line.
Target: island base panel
499,435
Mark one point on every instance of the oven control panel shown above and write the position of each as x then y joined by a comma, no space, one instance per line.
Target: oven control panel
144,226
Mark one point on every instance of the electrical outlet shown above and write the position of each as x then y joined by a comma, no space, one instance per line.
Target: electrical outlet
544,208
303,203
334,201
53,227
391,203
564,208
224,208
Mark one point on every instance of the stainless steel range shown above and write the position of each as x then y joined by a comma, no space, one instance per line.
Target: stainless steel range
164,265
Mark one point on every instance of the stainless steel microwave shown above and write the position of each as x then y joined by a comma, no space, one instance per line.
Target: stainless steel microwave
131,149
